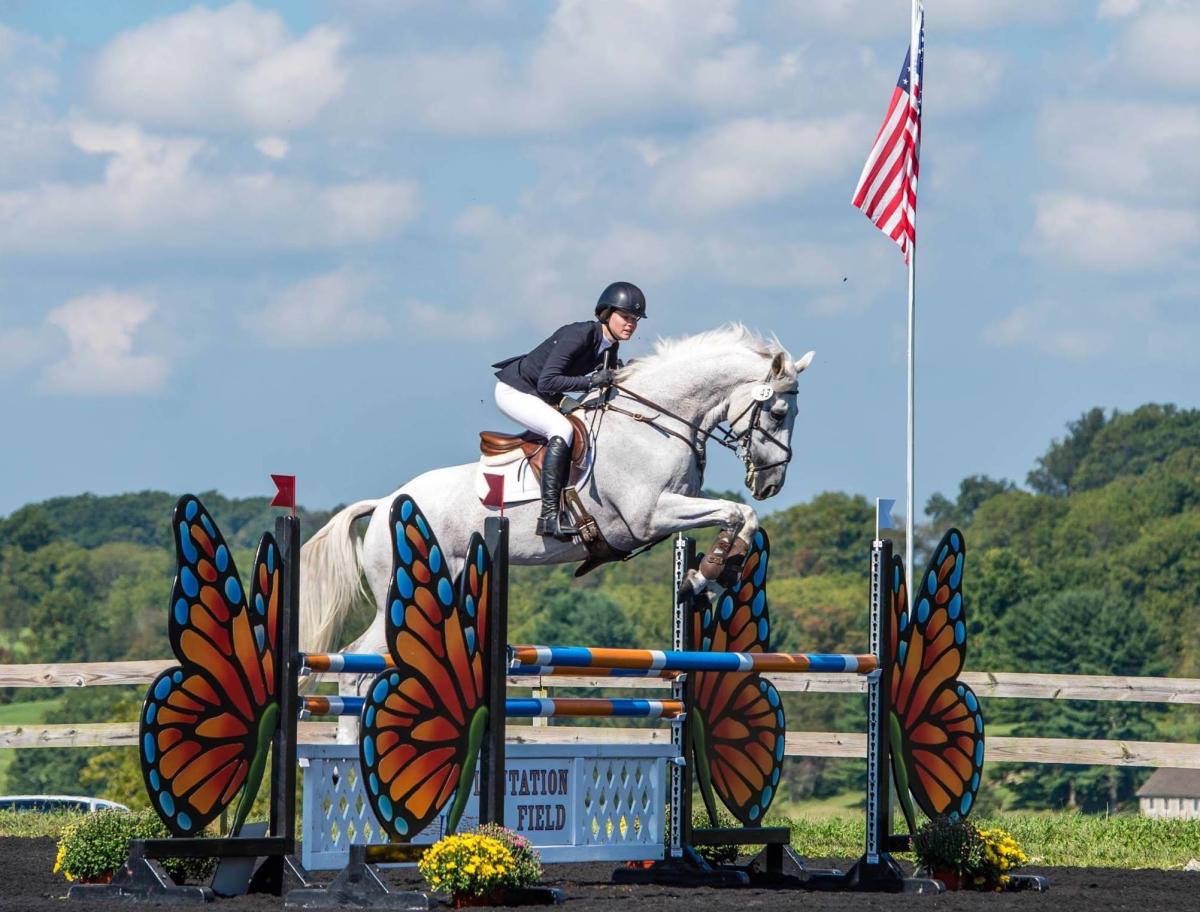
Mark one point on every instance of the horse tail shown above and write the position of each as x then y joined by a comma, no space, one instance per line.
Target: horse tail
331,578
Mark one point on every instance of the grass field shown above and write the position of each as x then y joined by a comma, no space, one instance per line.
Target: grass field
29,713
1057,840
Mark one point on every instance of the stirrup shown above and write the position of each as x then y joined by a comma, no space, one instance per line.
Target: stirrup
553,527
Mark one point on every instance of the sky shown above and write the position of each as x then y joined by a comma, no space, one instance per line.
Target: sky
247,238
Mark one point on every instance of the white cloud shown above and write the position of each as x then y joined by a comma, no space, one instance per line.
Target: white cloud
31,139
1140,151
964,79
273,146
428,321
322,311
237,67
154,192
757,160
622,61
1157,324
1040,326
1160,47
874,19
1111,237
1117,9
100,330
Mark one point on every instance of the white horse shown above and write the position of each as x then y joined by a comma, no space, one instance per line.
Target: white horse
645,482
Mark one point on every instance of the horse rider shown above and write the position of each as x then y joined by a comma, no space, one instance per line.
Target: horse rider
579,356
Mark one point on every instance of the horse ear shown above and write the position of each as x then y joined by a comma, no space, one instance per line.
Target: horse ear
777,364
804,362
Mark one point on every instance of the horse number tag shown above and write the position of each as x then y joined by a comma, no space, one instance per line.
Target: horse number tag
763,392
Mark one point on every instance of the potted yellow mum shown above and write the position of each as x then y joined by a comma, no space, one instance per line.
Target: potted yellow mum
490,866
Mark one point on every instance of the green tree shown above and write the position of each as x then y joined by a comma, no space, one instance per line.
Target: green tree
1057,467
582,618
29,528
1086,632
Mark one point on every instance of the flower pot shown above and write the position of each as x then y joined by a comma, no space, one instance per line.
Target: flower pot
104,878
949,879
470,900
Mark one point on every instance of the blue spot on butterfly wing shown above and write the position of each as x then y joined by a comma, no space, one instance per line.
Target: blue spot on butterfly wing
764,631
184,821
445,592
177,675
960,633
726,607
155,781
188,582
773,697
404,583
148,750
754,812
208,525
979,753
151,712
181,611
435,559
760,572
956,576
397,613
965,804
162,688
469,605
373,784
406,510
270,558
186,543
469,633
189,511
923,611
422,527
167,803
379,691
222,558
403,548
767,795
259,606
759,604
902,652
233,590
955,606
369,716
260,635
368,746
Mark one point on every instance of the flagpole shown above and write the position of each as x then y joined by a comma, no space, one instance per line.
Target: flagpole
909,505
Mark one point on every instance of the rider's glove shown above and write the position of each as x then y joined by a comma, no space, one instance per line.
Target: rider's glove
603,377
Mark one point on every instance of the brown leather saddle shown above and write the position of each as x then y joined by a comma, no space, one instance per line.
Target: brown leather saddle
533,446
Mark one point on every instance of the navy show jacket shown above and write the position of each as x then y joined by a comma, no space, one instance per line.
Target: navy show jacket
561,364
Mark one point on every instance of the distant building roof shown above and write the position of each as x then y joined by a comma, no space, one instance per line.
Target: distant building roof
1172,783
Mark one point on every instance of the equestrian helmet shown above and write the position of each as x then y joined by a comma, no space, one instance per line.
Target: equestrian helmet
622,296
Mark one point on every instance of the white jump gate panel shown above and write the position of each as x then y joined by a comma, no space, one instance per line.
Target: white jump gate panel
574,802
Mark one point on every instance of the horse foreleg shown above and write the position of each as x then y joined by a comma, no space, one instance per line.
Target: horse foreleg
678,513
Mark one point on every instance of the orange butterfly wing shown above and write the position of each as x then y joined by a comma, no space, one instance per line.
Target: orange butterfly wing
202,725
938,719
421,721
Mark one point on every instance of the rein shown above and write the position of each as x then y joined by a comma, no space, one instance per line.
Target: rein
733,440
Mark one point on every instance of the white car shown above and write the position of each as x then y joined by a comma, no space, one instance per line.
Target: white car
46,803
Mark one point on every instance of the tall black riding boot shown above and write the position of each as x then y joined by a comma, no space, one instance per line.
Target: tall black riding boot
556,471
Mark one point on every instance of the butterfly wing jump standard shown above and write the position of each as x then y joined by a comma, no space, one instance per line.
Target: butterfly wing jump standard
936,721
738,735
423,722
206,726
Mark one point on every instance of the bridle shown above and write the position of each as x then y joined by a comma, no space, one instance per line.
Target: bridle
729,437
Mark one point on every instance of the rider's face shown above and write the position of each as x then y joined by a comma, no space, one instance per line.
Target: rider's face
622,324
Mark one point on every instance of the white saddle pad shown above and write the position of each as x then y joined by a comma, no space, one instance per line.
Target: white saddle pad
520,482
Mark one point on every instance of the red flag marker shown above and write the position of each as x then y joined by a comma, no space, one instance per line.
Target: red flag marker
285,491
495,494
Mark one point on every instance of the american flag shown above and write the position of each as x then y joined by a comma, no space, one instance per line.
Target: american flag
887,188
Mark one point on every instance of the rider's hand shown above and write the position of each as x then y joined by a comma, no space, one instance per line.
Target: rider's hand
603,377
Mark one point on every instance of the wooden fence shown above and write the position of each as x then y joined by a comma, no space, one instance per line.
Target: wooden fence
799,744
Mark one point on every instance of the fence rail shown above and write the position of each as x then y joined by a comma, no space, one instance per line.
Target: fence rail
1181,691
1002,684
1000,749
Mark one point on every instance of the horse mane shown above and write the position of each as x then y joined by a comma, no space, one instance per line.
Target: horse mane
712,343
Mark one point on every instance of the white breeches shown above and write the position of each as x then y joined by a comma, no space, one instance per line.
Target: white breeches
531,412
